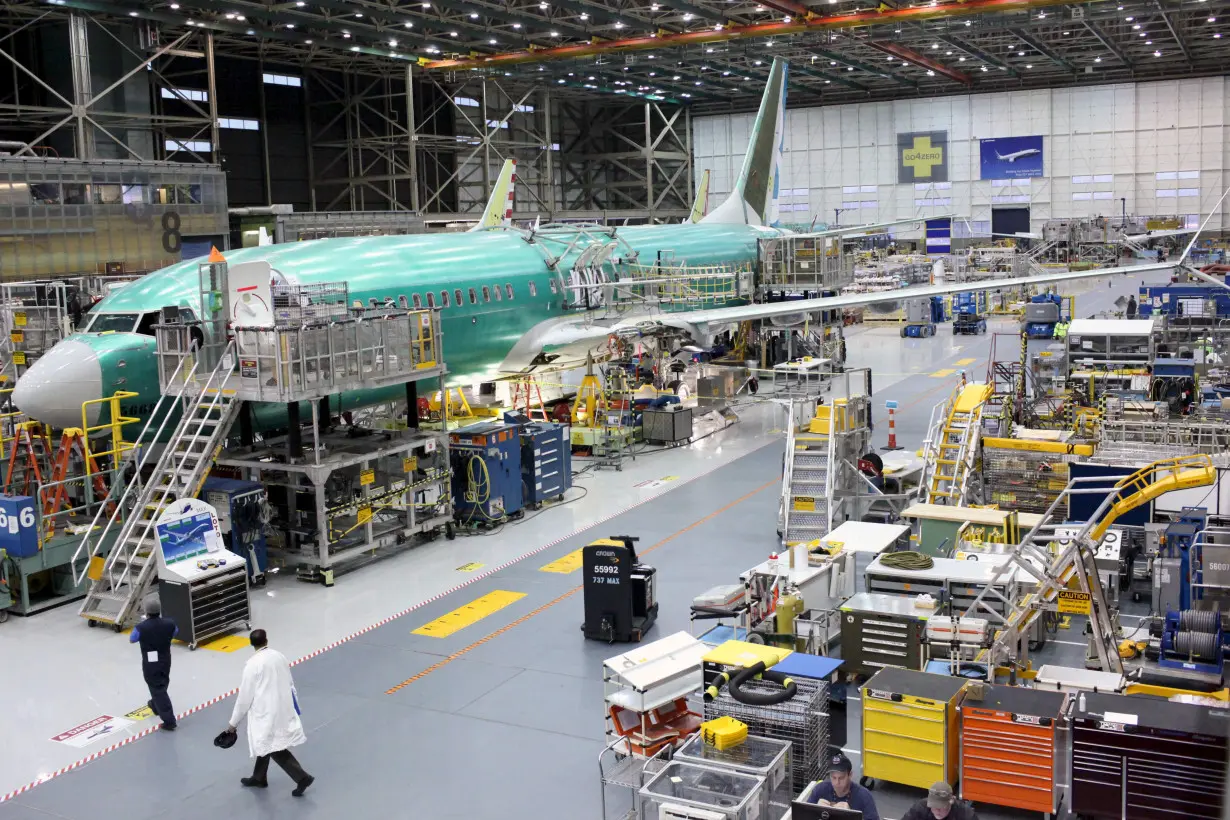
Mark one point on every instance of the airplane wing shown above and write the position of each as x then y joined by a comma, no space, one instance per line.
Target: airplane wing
874,227
1144,237
581,330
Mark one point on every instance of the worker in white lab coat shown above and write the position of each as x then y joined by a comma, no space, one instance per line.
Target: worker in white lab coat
267,698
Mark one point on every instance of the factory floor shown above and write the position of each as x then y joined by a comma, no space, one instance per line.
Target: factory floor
503,718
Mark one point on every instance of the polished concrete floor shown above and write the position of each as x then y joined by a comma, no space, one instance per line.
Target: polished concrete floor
501,719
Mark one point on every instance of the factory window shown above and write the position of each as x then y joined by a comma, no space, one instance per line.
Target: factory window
470,101
1104,178
241,125
533,290
851,204
1080,196
939,186
1103,194
444,298
498,295
523,109
935,201
1178,175
402,302
1165,192
473,296
188,145
486,294
431,300
508,290
1189,192
457,297
184,94
418,302
1000,200
497,123
1081,180
1007,183
283,79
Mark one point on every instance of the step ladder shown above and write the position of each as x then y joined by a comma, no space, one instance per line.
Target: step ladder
29,458
527,397
951,451
73,452
1059,569
807,492
121,578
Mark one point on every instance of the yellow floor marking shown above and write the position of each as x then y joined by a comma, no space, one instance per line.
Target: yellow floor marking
963,362
468,649
470,567
939,374
469,614
144,713
569,563
227,643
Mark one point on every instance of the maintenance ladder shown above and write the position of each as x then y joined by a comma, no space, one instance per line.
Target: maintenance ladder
1073,568
121,577
952,446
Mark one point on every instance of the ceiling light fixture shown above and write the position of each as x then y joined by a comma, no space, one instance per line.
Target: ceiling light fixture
555,34
1097,59
408,24
1028,66
134,14
290,25
358,14
516,25
1212,20
473,15
1217,36
967,23
492,41
1157,54
452,34
345,35
687,17
354,48
392,43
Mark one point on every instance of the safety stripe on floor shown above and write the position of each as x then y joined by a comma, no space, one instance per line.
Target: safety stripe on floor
218,699
470,614
569,563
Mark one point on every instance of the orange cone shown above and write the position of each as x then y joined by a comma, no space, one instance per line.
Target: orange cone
215,256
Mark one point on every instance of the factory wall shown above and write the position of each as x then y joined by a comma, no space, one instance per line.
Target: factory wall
1163,146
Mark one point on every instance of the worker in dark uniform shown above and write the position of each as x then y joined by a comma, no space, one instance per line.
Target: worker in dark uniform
1131,307
840,791
940,804
155,634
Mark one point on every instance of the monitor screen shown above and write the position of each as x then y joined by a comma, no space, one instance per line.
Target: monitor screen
810,811
186,538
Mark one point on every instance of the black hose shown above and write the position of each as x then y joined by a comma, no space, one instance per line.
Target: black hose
758,672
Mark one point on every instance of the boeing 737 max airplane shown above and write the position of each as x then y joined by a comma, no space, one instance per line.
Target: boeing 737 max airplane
502,293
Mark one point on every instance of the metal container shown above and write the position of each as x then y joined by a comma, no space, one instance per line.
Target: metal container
681,788
758,756
880,630
667,425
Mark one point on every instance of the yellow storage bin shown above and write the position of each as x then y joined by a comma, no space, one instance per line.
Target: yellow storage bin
724,732
910,727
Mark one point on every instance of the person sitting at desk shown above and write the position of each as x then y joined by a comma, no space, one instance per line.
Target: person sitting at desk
940,804
842,792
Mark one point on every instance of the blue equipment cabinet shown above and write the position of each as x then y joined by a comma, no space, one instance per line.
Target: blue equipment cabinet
18,526
546,459
486,461
241,507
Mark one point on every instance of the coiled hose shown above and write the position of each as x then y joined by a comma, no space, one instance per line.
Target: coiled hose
912,561
757,671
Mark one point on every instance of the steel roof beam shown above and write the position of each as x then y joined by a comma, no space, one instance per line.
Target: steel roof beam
911,56
841,59
1042,48
1174,32
1106,41
958,43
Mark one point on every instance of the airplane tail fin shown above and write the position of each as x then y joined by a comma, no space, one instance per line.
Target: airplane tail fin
702,199
498,212
753,201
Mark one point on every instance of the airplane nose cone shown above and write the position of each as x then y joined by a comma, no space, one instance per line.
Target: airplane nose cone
54,388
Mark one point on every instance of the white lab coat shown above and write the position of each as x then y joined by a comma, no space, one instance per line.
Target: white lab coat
267,698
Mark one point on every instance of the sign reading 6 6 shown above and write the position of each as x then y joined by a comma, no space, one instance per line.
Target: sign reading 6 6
12,523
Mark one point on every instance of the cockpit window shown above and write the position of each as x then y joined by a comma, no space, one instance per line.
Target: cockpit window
118,322
146,326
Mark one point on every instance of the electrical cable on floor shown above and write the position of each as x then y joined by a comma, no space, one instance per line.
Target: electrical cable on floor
911,561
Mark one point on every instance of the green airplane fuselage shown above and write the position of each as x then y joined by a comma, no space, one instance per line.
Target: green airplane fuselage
479,332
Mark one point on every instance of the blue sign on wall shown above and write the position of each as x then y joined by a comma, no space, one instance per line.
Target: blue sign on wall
18,526
1011,157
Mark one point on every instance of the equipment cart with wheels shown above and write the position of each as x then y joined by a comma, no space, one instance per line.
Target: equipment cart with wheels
910,727
1013,743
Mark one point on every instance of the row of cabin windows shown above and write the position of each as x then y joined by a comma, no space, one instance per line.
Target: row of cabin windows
457,296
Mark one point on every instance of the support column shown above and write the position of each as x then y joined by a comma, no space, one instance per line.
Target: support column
212,87
264,119
552,205
83,91
412,405
323,420
687,132
486,132
412,140
294,440
307,131
247,436
649,161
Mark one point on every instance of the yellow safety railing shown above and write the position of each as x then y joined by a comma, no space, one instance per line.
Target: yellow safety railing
1149,482
113,425
424,341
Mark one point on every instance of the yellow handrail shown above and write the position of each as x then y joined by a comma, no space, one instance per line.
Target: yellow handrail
114,424
1153,480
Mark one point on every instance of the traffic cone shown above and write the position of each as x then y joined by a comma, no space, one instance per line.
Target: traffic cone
892,425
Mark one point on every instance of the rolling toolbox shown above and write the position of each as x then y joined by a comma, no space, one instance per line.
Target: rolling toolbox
879,630
910,727
1141,758
1011,746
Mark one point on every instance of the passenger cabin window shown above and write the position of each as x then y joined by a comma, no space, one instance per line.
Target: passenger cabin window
551,282
402,302
418,302
431,300
473,296
498,296
533,290
444,298
486,294
457,297
508,289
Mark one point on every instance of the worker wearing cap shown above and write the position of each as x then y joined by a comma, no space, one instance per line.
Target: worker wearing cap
940,804
841,792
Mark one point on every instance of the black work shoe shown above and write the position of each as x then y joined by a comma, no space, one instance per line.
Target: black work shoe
303,784
252,782
169,727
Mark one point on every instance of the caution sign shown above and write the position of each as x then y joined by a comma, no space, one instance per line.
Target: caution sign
19,319
17,337
247,368
409,464
1075,603
367,477
19,357
803,503
364,516
470,567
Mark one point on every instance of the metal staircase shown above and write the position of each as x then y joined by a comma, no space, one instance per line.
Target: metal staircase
1071,572
121,576
807,497
951,450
